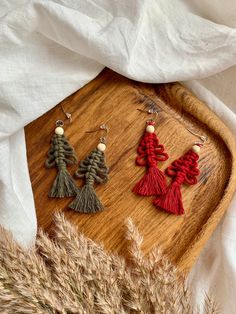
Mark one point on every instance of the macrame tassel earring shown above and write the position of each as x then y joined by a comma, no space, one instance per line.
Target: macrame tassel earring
94,170
60,155
149,153
183,171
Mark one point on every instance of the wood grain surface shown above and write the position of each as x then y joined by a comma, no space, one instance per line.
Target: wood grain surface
113,99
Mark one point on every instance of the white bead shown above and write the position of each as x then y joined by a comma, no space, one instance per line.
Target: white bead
150,128
101,147
196,149
59,130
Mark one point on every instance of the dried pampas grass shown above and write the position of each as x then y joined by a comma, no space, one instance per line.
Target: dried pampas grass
72,274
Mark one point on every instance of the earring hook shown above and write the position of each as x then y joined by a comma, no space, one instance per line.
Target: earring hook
149,111
59,123
154,111
67,114
201,137
102,127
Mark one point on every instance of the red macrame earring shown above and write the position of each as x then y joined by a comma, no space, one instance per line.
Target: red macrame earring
149,153
183,171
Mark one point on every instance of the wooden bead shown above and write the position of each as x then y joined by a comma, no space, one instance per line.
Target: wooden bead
59,130
150,129
101,147
196,149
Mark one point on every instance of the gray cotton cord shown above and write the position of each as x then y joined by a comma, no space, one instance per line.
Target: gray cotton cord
60,155
94,170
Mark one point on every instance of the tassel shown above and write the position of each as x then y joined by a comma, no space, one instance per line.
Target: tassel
171,202
87,201
63,186
60,154
184,171
149,153
94,170
152,183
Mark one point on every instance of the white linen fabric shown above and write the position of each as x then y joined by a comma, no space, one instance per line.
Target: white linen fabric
49,49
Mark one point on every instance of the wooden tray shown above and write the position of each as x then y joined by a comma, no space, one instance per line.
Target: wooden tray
114,99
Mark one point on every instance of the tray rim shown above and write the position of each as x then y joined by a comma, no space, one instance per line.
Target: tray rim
200,110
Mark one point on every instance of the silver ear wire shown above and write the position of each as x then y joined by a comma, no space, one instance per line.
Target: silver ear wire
201,137
67,114
150,109
102,127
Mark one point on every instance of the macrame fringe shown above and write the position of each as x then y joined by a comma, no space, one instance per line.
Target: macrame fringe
87,201
152,183
183,171
171,201
63,185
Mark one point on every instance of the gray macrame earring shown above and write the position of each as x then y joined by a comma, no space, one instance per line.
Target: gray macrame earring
60,155
93,170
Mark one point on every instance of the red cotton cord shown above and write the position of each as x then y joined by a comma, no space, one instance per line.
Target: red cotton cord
149,153
183,171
